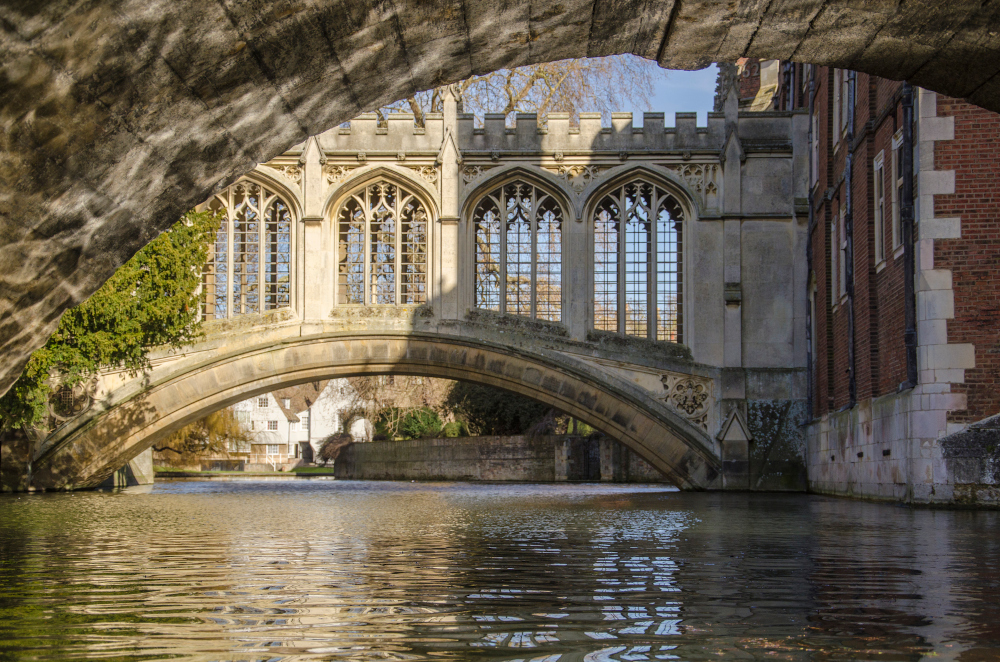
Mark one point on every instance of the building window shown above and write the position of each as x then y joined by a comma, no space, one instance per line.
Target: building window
879,192
833,263
272,449
518,235
837,77
814,149
249,268
286,403
843,252
638,262
262,402
382,247
272,425
897,188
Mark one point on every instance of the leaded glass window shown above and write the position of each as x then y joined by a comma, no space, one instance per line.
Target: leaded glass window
382,247
638,267
518,235
249,266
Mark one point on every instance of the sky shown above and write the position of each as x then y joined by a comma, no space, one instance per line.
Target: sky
681,92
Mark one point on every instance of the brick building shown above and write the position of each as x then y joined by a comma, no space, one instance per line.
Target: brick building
904,285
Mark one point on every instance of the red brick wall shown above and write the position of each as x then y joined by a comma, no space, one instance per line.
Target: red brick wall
974,259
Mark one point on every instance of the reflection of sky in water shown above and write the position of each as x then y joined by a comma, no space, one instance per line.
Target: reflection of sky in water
375,571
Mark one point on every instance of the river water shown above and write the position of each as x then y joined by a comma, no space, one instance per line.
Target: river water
315,569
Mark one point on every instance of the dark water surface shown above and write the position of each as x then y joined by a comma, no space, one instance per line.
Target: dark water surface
399,571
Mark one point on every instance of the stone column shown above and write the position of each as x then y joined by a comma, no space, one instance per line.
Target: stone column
311,269
733,384
449,157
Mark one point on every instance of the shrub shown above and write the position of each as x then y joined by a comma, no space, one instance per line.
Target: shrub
420,423
332,445
455,429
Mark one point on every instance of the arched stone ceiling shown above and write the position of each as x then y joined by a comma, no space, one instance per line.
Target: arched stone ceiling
119,115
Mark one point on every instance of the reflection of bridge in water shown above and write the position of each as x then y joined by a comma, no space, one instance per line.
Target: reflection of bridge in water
643,280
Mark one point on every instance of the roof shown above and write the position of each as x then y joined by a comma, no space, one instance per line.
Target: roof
300,397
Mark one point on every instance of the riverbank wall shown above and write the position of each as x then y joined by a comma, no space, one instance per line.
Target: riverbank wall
551,458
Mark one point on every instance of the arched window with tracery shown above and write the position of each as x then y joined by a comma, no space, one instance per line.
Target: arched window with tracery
638,262
382,247
249,267
518,234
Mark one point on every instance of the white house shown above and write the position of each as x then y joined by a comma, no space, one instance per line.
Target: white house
290,424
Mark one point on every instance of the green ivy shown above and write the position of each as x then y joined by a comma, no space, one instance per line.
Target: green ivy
151,301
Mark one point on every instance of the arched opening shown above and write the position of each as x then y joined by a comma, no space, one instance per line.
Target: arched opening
382,246
249,270
638,257
518,230
85,452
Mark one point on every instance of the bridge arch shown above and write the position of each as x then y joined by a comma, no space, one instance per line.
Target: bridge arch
223,87
88,449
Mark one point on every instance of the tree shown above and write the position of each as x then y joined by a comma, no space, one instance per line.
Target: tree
602,84
213,435
330,449
150,301
489,410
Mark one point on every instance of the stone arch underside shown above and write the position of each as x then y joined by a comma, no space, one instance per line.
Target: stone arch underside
87,450
118,118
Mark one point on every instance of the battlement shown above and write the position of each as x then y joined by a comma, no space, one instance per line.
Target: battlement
594,132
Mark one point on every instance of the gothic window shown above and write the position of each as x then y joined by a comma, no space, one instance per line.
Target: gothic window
249,266
638,268
518,234
382,247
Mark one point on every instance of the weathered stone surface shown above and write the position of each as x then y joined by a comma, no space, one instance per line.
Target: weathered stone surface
117,117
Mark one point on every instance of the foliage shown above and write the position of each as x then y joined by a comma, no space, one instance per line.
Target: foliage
600,84
208,436
455,429
488,410
150,301
332,445
422,423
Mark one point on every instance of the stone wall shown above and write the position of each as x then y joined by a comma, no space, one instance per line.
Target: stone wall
519,458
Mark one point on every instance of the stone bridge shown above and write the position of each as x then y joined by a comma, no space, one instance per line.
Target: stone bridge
117,117
649,281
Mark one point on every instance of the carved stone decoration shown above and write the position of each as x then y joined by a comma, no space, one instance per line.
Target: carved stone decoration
473,172
68,402
292,171
702,178
430,173
689,396
577,176
336,173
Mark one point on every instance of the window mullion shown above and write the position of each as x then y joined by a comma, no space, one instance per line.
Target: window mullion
230,244
652,256
366,269
622,261
503,253
533,229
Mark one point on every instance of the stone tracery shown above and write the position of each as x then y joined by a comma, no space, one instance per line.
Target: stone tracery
382,247
518,252
249,267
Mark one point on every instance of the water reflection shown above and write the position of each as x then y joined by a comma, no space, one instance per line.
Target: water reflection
390,571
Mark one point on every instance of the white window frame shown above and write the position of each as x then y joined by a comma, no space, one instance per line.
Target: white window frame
878,190
263,402
272,426
272,449
897,183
